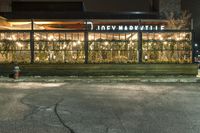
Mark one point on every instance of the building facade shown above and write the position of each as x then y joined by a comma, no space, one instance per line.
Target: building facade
68,32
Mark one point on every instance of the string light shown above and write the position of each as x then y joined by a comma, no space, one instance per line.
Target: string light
165,42
37,38
79,42
14,37
50,38
106,43
74,44
19,44
9,38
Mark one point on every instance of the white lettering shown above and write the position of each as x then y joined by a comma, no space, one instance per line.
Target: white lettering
125,27
103,28
108,27
114,27
136,27
162,27
120,27
156,27
146,27
98,27
131,28
141,27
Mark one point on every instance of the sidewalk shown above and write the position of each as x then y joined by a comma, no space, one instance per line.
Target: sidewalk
105,79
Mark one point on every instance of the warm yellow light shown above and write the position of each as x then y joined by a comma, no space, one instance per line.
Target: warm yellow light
74,44
50,38
14,37
19,23
19,44
149,44
79,42
91,37
37,38
9,38
177,38
106,43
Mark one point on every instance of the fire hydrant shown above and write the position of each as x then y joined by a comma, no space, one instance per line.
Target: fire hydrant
16,73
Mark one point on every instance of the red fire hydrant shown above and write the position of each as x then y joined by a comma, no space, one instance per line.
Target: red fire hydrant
16,71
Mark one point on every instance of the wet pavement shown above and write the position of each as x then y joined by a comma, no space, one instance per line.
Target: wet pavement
99,107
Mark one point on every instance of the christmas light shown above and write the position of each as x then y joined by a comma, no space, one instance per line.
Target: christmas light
19,44
79,42
106,43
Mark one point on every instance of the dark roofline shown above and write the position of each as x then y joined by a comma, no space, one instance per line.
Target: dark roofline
80,15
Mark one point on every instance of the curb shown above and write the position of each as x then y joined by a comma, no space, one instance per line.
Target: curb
110,79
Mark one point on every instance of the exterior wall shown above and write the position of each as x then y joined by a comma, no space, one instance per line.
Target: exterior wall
5,6
105,5
101,69
167,6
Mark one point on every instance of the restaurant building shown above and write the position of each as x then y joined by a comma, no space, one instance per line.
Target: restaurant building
66,33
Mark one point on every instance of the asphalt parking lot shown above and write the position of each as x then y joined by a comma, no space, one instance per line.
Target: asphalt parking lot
99,107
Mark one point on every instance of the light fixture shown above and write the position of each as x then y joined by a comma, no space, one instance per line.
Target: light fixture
196,45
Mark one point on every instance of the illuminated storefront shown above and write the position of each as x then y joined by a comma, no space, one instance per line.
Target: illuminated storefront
93,41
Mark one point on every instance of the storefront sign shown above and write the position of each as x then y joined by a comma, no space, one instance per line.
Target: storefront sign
93,27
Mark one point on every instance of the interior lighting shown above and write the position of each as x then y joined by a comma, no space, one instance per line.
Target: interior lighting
14,37
177,38
74,44
106,43
9,38
50,38
149,44
79,42
19,44
37,38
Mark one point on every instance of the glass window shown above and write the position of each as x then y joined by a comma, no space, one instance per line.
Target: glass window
174,47
59,47
113,47
14,47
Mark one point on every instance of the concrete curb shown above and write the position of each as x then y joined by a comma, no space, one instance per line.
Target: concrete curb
109,79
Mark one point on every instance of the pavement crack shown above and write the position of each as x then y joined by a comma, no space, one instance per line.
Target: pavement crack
33,108
59,117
